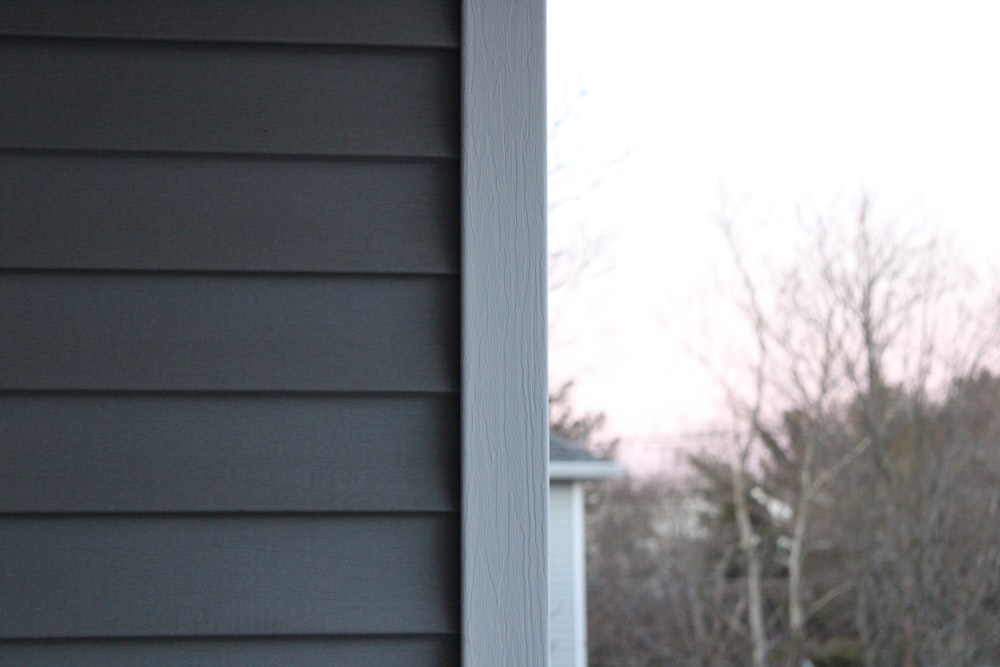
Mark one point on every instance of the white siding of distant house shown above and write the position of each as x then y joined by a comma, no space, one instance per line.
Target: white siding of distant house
567,585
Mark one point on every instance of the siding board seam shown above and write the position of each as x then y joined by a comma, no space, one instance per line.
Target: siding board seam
352,47
233,156
229,393
230,156
142,639
214,515
232,273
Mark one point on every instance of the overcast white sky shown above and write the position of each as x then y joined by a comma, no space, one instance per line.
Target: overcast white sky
777,103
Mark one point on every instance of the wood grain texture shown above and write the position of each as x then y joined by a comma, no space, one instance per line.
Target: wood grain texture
436,651
504,421
179,332
228,576
372,22
186,213
154,453
187,97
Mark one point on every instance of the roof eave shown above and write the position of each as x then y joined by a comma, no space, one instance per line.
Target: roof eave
584,471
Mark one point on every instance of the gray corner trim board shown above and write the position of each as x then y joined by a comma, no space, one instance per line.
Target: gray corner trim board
504,421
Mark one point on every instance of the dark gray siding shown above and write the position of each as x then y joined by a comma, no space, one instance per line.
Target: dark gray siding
245,652
229,333
139,576
162,203
150,331
422,23
107,452
247,99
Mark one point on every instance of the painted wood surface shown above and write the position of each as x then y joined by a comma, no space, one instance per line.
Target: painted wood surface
81,453
504,375
210,98
218,575
120,211
429,23
185,332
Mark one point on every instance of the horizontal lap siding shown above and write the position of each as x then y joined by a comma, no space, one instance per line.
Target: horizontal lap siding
416,651
223,576
180,332
197,213
232,98
366,22
189,453
229,328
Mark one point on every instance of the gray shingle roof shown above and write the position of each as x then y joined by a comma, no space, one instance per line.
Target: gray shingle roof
569,461
562,448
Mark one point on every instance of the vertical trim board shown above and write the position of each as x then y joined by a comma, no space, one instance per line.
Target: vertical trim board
504,420
579,570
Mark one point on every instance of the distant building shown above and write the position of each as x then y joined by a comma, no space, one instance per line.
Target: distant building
569,467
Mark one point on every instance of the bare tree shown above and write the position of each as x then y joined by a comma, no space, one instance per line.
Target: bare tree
859,320
576,251
797,339
749,412
853,515
659,594
902,302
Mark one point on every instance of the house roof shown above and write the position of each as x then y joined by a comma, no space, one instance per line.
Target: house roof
568,461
